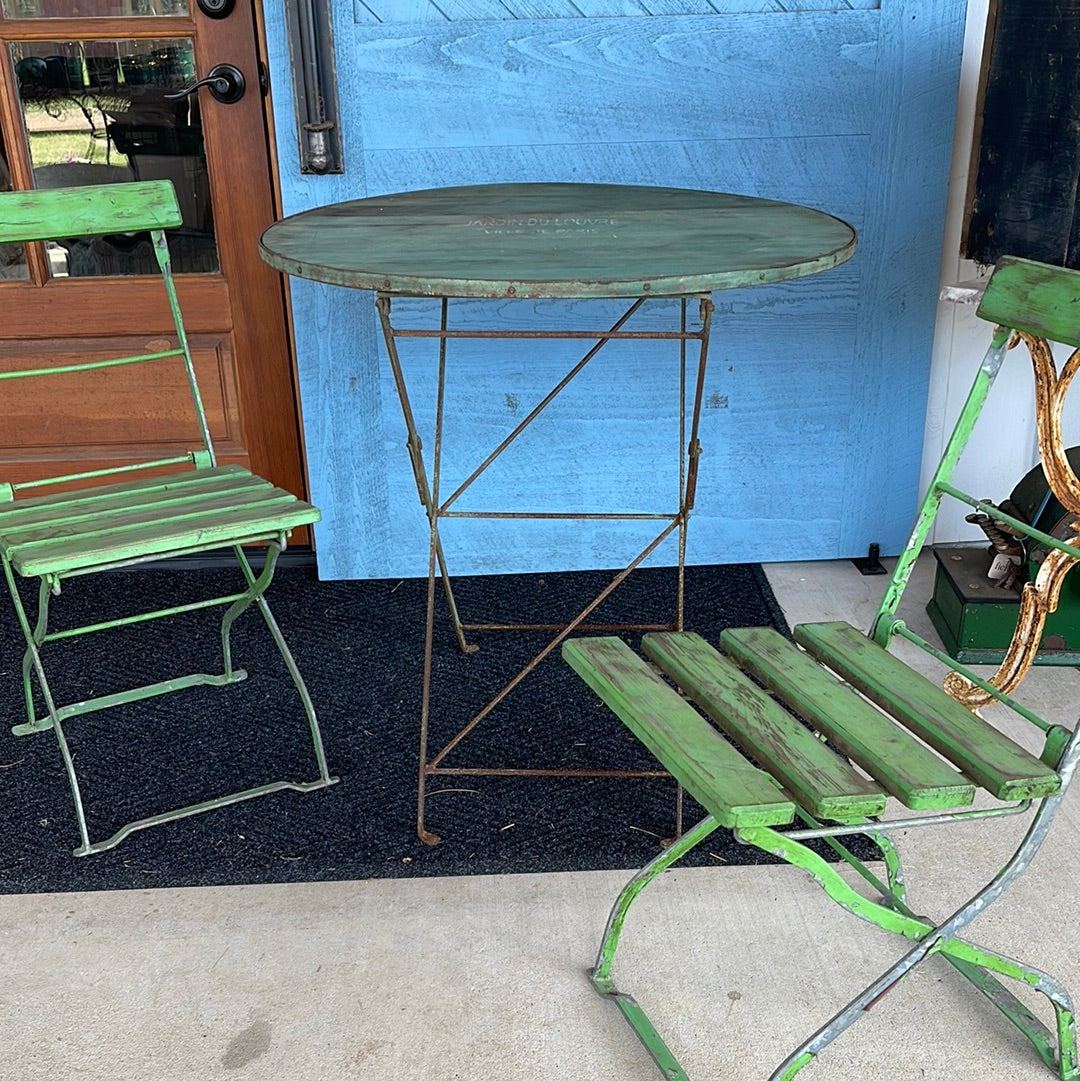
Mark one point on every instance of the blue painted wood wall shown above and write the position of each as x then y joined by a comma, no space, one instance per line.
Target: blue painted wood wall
815,401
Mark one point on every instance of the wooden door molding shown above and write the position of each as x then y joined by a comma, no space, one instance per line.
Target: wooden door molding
236,137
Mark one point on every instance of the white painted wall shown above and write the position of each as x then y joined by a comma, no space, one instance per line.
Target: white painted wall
1003,446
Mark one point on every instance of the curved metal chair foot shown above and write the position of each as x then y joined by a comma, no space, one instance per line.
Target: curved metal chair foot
600,974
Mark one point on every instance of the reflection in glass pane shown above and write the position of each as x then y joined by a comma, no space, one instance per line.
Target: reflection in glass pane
88,9
12,256
96,113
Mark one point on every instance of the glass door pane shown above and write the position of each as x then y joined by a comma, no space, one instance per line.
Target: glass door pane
95,112
12,256
89,9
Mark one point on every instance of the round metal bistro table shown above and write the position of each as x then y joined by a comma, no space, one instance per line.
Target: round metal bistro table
551,241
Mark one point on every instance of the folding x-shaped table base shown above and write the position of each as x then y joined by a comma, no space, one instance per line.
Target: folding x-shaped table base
439,508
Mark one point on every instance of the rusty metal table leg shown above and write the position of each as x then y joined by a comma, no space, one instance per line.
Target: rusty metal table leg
429,493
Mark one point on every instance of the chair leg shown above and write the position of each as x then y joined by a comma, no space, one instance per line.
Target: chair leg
894,890
1058,1054
930,939
1041,1038
32,661
41,628
257,587
601,973
53,717
605,959
976,964
894,867
1058,1051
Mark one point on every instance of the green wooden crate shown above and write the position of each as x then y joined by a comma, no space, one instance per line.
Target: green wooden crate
976,619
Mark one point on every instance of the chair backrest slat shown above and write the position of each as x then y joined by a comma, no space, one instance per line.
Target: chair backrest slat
1038,298
56,213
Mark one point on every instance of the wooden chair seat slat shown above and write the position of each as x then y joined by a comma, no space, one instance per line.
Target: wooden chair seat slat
906,768
981,751
707,765
141,518
59,508
823,782
121,525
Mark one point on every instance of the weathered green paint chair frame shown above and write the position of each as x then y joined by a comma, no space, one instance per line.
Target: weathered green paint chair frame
103,527
760,694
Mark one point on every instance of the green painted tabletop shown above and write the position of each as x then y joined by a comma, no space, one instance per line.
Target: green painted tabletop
557,240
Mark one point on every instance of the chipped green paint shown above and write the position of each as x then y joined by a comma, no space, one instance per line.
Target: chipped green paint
834,884
899,762
1023,295
898,627
710,769
1044,302
57,213
1034,297
981,751
601,973
803,1060
1057,739
821,781
643,701
58,544
1018,524
890,913
557,240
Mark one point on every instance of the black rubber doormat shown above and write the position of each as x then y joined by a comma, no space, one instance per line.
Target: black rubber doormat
359,646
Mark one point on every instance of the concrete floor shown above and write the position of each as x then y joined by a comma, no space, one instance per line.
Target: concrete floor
484,978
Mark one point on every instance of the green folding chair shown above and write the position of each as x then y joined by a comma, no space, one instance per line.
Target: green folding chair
791,707
55,537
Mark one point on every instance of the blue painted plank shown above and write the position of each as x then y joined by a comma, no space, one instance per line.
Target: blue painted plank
603,9
411,11
687,7
362,12
791,7
396,11
915,97
338,360
469,10
516,84
768,389
543,9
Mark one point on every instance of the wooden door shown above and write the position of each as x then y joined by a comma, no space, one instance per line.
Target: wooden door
816,394
84,88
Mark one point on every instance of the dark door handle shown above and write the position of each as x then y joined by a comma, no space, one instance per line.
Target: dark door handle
225,82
